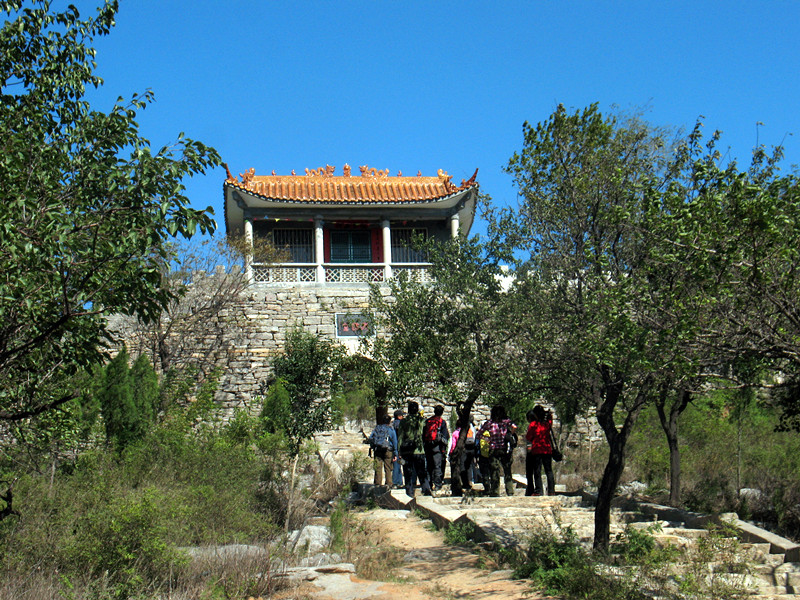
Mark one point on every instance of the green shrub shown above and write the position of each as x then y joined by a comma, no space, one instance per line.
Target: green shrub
459,534
297,401
561,566
120,413
128,538
124,514
551,560
241,428
635,545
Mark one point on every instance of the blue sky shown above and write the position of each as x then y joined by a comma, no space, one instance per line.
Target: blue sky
419,86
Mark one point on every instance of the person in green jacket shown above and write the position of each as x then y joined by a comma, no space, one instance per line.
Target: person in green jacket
411,452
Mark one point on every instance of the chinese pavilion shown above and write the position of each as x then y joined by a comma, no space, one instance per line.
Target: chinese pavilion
345,228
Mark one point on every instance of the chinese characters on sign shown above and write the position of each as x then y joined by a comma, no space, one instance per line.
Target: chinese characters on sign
350,325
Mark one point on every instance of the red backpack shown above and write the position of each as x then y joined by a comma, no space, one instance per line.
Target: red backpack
430,433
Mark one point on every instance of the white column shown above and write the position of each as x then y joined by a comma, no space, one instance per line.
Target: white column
319,249
248,256
454,226
387,249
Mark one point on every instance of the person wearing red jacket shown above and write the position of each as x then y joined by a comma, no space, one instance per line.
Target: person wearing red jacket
540,452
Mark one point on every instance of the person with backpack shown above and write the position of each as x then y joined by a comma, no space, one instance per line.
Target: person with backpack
540,452
383,443
484,452
434,440
501,443
460,480
411,451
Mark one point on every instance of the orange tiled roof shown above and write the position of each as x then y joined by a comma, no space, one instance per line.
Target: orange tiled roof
321,185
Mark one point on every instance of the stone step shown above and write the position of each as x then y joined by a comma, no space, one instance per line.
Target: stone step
772,592
788,574
511,519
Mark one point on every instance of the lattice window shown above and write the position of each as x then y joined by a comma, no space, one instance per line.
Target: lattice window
402,241
307,275
298,243
261,274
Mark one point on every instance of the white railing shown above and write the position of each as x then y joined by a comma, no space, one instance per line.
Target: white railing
414,271
306,273
355,273
284,273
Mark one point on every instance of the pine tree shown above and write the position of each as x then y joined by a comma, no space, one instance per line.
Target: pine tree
117,402
145,392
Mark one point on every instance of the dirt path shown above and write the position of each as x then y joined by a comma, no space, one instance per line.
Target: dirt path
413,563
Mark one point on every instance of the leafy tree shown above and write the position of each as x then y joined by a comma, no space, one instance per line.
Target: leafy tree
750,240
643,248
585,181
453,339
88,208
721,274
297,402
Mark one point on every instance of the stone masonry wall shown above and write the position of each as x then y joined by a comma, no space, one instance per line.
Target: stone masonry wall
265,316
244,336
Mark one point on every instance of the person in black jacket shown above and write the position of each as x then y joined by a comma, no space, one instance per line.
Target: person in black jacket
397,471
410,441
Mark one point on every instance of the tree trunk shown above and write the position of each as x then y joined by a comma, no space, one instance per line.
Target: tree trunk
606,491
381,410
609,397
290,497
670,427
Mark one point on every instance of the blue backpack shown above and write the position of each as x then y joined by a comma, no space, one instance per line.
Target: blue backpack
381,437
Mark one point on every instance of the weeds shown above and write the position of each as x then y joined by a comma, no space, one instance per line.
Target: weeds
347,533
363,545
110,526
639,567
459,534
716,567
375,561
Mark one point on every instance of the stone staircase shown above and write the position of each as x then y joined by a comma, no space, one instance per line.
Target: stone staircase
337,447
774,562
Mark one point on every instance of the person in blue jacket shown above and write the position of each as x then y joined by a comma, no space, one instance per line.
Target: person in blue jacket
383,442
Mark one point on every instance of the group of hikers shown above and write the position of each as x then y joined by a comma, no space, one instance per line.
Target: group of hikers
411,450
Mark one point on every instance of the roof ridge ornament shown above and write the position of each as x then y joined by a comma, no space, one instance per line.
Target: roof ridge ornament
326,171
248,175
445,179
470,181
228,177
373,172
